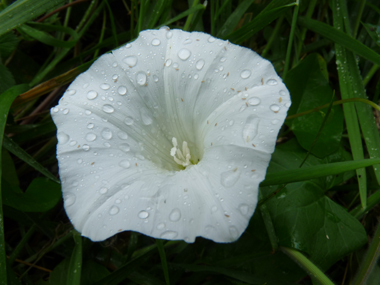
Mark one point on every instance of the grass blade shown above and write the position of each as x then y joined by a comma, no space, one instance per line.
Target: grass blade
75,266
6,100
340,38
164,263
301,174
22,11
14,148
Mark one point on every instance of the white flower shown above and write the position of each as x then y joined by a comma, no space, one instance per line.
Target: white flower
168,136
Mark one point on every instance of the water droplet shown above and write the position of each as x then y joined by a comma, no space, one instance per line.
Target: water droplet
141,78
143,215
71,92
55,109
92,94
243,208
124,147
184,54
103,190
122,90
131,61
275,108
234,232
160,226
169,35
211,39
90,137
200,63
245,73
65,111
122,135
62,138
169,235
250,128
86,147
128,121
175,215
283,93
272,82
145,117
214,208
230,177
223,59
80,161
107,134
69,199
115,77
274,122
125,164
114,210
87,112
156,42
105,86
155,78
231,122
168,62
287,104
254,101
107,108
72,143
90,126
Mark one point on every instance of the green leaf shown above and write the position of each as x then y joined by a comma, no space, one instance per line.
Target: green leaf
9,169
230,24
340,38
14,148
374,32
306,220
41,195
75,266
271,12
6,99
22,11
8,43
6,79
48,39
308,84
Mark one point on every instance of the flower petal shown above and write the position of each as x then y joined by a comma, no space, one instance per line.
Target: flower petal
118,120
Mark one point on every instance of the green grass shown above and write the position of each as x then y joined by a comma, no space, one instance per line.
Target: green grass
317,220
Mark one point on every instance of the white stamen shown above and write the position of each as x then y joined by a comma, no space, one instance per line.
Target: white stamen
183,157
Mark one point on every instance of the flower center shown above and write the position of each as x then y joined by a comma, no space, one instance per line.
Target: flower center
181,157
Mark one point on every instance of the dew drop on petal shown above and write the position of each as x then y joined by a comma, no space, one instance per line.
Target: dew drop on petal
122,90
107,108
275,108
184,54
274,122
156,42
105,86
106,134
214,209
155,78
92,94
169,235
62,138
125,164
66,111
175,215
69,199
86,147
250,128
124,147
71,92
234,232
243,208
245,73
90,137
283,93
141,78
272,82
114,210
143,214
128,121
254,101
122,135
145,117
230,177
211,39
160,226
90,126
103,190
200,63
169,34
131,61
287,104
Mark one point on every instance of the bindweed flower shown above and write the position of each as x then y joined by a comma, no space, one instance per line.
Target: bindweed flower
169,136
